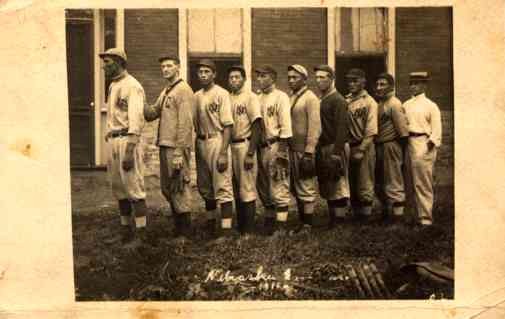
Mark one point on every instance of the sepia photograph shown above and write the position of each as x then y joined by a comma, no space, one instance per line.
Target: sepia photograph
290,153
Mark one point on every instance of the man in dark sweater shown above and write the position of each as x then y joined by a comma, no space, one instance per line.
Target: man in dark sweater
332,154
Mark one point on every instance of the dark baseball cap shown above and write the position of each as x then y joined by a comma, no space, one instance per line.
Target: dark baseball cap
208,63
113,52
386,76
355,73
325,68
169,57
237,67
266,69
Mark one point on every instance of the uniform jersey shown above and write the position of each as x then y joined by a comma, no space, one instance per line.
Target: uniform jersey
424,117
175,107
125,106
333,120
275,110
362,111
393,121
245,109
305,121
213,110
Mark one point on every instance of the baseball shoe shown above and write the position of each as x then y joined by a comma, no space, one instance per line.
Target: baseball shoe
139,240
303,229
269,225
210,229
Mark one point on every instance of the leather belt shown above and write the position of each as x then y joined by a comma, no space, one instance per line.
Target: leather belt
117,133
240,140
206,136
412,134
270,141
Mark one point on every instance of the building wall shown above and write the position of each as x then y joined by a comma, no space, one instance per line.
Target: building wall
281,37
150,33
424,43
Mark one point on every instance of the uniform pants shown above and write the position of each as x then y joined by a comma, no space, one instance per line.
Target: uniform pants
244,182
212,184
272,192
125,184
180,202
390,182
362,177
331,189
420,163
303,189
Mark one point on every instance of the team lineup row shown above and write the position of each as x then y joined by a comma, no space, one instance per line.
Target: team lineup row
269,145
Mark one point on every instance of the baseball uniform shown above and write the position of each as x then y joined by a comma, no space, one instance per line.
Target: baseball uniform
393,125
306,126
245,109
125,121
174,107
213,113
333,140
425,125
362,116
275,112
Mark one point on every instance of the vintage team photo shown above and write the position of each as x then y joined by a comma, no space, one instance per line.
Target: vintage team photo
261,153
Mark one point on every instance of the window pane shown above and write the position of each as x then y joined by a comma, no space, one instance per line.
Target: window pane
110,28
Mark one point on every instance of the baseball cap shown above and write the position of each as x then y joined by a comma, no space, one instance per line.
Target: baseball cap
355,73
325,68
300,69
419,76
237,67
169,57
208,63
386,76
266,69
113,52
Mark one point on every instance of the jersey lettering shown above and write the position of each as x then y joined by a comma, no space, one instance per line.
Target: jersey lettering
271,110
360,113
213,107
240,109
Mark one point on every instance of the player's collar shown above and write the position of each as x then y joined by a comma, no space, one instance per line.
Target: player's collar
238,92
120,76
268,90
420,96
332,90
362,94
300,91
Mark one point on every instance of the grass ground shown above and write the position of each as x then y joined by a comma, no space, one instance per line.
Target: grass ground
312,263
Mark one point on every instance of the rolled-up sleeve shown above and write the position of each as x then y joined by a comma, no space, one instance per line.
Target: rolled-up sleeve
225,115
372,127
253,110
313,123
285,130
400,119
436,125
136,119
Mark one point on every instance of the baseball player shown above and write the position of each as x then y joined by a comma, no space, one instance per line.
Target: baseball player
362,111
213,124
425,137
244,142
125,121
332,153
273,158
306,125
390,142
174,108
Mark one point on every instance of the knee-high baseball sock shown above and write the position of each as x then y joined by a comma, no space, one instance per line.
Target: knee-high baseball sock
300,207
282,214
211,208
226,215
125,211
308,212
249,215
140,213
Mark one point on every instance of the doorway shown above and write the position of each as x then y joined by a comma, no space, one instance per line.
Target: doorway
373,65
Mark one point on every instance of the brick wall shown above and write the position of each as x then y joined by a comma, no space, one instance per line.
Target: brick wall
150,33
424,43
281,37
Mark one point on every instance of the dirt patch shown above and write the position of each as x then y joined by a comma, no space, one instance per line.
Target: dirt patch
257,267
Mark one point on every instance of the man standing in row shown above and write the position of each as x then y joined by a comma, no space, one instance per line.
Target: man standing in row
244,142
362,129
174,107
425,136
306,125
391,142
125,121
332,156
213,123
272,182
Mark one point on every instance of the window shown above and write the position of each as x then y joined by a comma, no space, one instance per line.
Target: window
360,42
210,36
109,40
